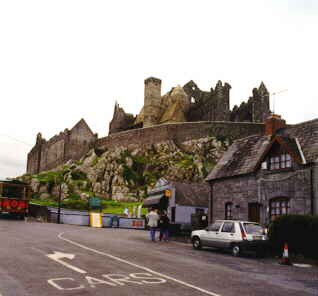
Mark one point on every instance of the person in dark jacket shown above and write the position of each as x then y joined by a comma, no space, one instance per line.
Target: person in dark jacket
164,223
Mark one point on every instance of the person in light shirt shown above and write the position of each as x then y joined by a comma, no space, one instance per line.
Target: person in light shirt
153,219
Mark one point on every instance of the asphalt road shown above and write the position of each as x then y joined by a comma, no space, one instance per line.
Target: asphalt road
49,259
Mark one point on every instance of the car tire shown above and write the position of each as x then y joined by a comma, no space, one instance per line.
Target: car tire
236,250
196,243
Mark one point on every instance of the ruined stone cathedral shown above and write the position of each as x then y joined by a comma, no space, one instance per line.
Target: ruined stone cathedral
181,114
190,104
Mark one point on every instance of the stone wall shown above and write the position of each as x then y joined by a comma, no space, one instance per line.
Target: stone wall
295,185
180,132
70,144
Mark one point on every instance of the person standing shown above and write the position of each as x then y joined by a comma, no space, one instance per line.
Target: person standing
164,223
153,219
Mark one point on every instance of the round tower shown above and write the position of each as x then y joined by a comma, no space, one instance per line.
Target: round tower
152,101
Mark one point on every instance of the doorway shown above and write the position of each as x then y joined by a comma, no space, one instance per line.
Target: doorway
254,212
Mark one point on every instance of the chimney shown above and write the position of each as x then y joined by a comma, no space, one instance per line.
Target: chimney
273,123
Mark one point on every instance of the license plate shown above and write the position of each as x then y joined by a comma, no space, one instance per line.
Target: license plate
257,237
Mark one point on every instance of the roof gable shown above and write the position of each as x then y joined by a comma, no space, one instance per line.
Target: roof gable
245,155
290,145
82,123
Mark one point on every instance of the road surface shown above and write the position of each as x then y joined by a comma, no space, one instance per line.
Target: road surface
49,259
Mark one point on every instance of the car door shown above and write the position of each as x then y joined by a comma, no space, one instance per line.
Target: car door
212,235
227,234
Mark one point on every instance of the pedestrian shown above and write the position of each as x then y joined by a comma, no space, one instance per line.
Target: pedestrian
160,226
153,219
164,223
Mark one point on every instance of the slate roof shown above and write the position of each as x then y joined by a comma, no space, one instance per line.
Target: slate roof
307,136
244,155
191,194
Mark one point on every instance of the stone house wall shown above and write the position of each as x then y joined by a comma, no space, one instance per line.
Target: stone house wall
261,188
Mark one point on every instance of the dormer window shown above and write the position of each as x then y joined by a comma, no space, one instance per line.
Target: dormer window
280,161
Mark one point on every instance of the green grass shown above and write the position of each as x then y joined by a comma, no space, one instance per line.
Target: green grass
109,206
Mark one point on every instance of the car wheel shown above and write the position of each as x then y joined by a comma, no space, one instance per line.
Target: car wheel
196,243
236,250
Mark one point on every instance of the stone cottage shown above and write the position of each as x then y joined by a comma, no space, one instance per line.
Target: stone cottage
261,177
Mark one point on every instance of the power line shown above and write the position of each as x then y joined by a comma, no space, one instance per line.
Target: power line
17,140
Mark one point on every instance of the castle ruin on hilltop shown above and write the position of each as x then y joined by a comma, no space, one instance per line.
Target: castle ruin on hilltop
182,114
190,104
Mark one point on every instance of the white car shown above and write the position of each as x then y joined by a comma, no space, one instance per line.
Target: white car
237,236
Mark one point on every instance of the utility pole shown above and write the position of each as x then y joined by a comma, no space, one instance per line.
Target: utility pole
59,204
274,94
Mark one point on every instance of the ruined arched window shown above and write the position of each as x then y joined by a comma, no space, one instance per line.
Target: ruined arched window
229,211
278,206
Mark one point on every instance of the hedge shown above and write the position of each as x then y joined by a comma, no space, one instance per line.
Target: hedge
299,231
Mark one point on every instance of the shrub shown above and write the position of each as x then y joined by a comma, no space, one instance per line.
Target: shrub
74,196
78,175
75,204
299,231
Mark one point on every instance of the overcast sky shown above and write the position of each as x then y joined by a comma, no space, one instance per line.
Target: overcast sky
61,61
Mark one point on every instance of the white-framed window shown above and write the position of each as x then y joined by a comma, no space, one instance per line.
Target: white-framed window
281,161
278,207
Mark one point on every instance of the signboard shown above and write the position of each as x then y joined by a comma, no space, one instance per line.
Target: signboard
14,205
96,219
95,202
132,223
168,193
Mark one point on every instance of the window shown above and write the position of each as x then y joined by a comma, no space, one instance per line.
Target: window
228,227
215,226
280,162
228,211
278,207
199,211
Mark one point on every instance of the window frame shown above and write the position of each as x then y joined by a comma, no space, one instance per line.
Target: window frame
210,228
226,224
228,210
278,206
279,161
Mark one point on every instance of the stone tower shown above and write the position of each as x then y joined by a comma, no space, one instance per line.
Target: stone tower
152,101
260,99
222,108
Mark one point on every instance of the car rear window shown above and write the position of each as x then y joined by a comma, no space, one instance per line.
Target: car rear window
251,228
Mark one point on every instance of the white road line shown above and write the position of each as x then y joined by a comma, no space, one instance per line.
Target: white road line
58,256
138,266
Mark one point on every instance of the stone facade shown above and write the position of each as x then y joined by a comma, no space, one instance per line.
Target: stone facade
70,144
260,190
190,104
261,177
180,132
182,114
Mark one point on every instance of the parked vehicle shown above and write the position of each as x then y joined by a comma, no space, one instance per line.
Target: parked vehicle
14,198
237,236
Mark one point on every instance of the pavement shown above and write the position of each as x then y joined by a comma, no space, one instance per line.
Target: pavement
55,259
296,260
